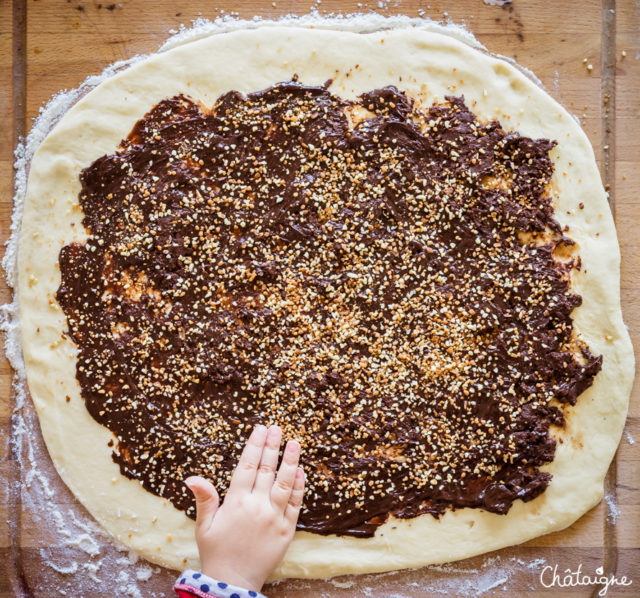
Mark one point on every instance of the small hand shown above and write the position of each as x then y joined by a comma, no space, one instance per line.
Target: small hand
244,540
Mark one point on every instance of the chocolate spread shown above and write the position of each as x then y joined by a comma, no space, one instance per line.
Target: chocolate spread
380,279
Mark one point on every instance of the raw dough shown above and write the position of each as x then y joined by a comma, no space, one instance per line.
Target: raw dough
428,66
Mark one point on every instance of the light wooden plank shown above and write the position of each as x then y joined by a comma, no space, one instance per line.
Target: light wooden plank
7,467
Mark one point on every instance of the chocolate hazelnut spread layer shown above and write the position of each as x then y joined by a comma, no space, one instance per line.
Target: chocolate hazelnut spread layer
383,280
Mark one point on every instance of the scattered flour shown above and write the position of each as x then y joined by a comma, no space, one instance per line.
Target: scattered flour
63,570
144,573
458,579
630,439
612,508
360,22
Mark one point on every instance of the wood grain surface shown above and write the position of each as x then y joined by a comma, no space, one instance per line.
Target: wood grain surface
48,45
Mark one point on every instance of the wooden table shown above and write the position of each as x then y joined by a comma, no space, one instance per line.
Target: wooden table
48,45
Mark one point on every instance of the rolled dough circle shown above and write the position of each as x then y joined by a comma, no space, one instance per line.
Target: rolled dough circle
427,65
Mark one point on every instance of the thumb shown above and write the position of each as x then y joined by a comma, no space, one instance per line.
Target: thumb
207,500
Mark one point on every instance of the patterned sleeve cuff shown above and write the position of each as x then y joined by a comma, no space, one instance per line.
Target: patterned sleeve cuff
203,586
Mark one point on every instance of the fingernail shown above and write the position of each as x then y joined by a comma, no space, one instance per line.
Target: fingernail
259,428
293,446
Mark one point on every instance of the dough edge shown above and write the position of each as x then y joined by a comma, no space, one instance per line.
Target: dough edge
249,60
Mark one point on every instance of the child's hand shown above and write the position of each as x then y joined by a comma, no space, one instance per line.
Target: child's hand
244,540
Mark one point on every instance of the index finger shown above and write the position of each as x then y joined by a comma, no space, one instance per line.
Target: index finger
245,472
